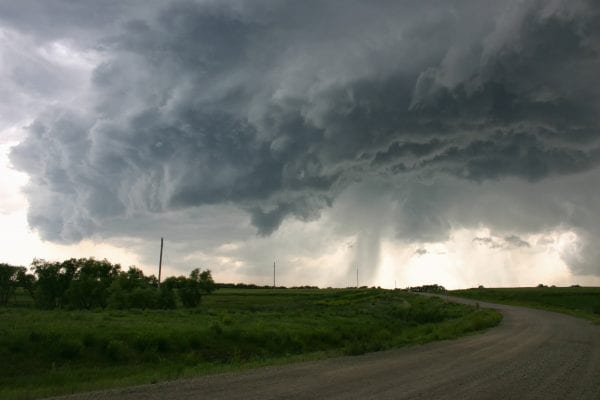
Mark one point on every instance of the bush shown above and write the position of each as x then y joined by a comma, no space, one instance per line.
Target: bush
132,289
190,294
191,289
166,298
143,298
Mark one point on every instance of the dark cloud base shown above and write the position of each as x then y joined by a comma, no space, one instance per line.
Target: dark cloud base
277,109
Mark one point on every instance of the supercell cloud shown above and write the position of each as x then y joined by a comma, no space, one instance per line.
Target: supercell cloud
420,117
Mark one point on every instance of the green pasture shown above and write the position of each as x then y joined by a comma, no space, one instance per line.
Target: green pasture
48,352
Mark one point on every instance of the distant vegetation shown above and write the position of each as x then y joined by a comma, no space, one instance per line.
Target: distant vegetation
57,351
254,286
439,289
579,301
87,283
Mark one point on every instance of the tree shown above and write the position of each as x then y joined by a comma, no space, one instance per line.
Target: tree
91,281
132,289
9,281
189,293
78,283
53,280
27,281
128,288
207,284
192,288
87,283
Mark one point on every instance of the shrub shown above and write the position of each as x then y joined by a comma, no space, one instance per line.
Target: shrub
192,288
166,298
143,298
190,294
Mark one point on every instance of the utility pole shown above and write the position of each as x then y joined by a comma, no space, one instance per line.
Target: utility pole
273,274
357,276
160,261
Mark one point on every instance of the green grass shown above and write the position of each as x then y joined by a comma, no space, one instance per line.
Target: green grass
57,352
582,302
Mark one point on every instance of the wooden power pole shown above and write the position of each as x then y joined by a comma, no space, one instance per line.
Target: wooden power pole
160,261
273,274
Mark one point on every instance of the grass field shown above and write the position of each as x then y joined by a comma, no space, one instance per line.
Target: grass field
56,352
583,302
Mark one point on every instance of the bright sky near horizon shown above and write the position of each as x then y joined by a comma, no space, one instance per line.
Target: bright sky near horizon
453,143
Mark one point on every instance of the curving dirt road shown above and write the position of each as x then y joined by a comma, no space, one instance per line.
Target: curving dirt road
532,354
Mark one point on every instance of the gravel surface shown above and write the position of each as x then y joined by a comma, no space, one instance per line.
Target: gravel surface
532,354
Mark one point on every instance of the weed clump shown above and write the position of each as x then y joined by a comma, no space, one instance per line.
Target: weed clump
117,350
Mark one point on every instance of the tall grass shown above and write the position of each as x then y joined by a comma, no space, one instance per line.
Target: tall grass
52,352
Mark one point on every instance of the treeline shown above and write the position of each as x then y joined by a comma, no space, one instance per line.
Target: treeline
428,289
254,286
87,283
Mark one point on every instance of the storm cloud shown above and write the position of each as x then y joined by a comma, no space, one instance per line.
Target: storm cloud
457,113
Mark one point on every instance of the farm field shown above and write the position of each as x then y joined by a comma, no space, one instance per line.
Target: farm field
583,302
48,352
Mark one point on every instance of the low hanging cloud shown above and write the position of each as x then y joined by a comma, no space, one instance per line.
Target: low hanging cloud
278,109
508,242
516,241
421,251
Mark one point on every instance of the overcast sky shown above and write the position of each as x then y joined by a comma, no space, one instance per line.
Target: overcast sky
451,142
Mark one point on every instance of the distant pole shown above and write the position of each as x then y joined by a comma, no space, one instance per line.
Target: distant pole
273,274
160,261
394,284
357,276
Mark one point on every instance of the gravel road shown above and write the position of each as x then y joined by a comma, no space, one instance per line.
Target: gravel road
532,354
